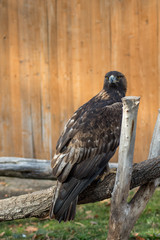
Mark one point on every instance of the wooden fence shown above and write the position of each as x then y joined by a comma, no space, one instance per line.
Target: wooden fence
53,57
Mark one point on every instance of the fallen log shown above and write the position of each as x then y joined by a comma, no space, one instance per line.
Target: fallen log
25,168
29,168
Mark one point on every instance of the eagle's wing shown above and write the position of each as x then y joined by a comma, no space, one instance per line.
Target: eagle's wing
88,137
83,150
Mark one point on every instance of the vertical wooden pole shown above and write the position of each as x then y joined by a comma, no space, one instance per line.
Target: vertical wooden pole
154,150
145,192
124,215
119,206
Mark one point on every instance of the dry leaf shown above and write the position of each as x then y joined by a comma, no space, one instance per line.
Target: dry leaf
38,236
46,225
108,204
88,212
105,201
31,229
93,223
78,223
3,183
89,217
138,237
1,234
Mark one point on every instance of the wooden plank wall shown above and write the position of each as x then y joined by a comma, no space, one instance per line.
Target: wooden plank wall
53,57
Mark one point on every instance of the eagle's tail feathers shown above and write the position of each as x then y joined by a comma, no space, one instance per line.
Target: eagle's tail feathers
69,213
66,196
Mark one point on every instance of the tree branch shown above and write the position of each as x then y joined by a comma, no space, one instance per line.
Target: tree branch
130,212
25,168
37,204
145,192
29,168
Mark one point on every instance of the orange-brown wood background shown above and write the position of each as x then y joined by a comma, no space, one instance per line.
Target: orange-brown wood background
53,58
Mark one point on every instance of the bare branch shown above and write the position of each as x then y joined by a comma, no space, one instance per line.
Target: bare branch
119,206
29,168
130,212
154,150
145,192
25,168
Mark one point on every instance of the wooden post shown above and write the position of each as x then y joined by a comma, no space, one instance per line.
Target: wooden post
145,192
154,150
120,209
124,215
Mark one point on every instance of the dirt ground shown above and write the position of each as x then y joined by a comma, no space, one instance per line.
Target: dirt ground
17,186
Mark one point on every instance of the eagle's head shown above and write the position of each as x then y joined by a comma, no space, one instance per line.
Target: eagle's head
115,80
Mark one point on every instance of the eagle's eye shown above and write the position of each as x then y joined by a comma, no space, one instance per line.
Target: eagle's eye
106,77
118,77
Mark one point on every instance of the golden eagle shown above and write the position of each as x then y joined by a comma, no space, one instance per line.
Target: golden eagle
88,142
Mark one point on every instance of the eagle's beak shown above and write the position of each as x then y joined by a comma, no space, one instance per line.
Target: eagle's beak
112,79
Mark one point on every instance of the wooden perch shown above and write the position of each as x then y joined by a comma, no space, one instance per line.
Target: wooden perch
37,204
154,150
120,209
123,214
145,192
29,168
25,168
